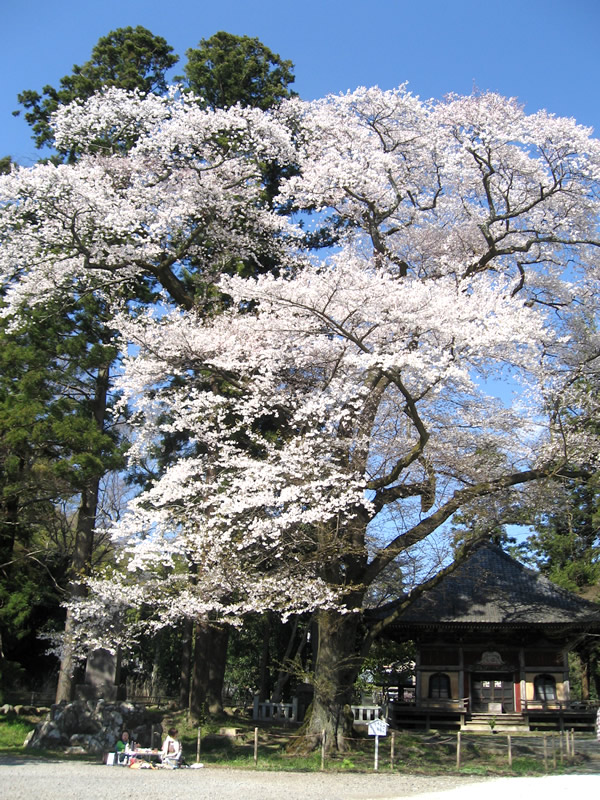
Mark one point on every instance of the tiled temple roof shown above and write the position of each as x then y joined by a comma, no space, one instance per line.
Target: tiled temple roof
491,587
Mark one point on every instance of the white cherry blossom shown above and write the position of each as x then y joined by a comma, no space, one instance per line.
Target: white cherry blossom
343,386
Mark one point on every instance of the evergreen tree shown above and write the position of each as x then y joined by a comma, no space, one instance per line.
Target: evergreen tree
128,58
228,69
51,449
565,545
135,59
131,59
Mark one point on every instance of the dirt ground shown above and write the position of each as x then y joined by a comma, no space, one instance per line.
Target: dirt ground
31,779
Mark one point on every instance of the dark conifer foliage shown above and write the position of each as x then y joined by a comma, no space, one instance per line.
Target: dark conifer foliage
128,58
228,69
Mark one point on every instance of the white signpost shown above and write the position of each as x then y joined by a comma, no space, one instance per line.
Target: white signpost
377,728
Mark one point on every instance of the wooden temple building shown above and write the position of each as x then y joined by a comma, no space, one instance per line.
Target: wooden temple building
492,643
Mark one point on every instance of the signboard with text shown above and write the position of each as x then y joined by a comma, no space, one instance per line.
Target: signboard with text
378,727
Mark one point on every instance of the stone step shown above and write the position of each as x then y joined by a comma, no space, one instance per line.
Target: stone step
476,728
501,722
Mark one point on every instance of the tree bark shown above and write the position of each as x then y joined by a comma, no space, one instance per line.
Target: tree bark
283,675
217,661
84,546
210,657
584,662
336,669
82,558
185,677
593,668
264,677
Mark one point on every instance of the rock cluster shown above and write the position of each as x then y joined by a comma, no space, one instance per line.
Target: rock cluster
92,727
22,710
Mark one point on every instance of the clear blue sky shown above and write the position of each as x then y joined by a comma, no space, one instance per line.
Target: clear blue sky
545,52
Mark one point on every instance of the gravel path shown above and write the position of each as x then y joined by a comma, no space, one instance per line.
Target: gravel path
59,780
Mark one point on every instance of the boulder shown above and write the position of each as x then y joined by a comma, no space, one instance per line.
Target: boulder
26,711
75,751
28,738
47,735
93,726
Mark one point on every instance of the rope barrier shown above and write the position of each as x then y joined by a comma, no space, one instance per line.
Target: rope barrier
389,746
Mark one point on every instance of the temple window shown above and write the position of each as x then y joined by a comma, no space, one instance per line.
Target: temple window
439,686
544,687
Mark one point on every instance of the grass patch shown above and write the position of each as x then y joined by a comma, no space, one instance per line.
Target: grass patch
13,731
420,753
417,753
474,769
528,766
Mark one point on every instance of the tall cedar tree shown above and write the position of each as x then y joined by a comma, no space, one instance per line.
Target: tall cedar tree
132,59
228,69
128,58
51,449
224,70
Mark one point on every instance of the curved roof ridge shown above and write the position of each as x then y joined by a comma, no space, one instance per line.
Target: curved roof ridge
491,586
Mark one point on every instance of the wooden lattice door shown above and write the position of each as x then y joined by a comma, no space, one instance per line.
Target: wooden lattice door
492,692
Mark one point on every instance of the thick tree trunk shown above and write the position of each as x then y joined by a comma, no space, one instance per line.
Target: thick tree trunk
84,546
185,676
65,688
187,655
210,657
284,672
593,669
264,673
336,669
216,669
584,660
82,558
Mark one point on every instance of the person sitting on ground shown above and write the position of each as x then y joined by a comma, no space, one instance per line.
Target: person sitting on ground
123,748
171,753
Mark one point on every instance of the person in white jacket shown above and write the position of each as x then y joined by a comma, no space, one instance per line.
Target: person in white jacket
171,753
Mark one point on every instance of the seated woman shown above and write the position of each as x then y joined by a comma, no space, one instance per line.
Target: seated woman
171,753
123,748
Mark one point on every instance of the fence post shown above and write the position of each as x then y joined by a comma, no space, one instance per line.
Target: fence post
392,748
545,752
458,750
323,749
198,744
509,750
561,748
255,747
573,742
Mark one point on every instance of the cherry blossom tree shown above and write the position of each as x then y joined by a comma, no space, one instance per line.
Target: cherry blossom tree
339,413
